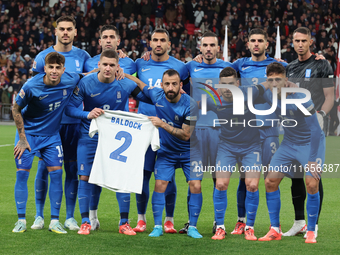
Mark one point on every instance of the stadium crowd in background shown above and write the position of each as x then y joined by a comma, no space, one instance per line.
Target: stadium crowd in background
28,27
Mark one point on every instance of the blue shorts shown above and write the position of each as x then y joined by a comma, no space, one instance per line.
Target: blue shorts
289,153
69,134
208,139
167,163
229,154
86,152
149,160
50,149
269,142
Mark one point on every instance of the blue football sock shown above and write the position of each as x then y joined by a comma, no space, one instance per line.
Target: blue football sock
170,198
95,195
313,203
21,193
71,187
143,199
56,192
188,200
124,206
274,206
241,198
84,193
41,187
195,205
252,203
158,203
220,205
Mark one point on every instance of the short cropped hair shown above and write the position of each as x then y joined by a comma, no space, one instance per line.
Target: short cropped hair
258,31
109,54
54,58
109,27
227,72
66,19
171,72
209,34
161,30
302,30
275,68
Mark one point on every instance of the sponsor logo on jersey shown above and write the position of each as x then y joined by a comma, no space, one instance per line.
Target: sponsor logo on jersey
158,105
191,118
64,92
77,63
34,65
196,70
41,98
244,68
94,95
119,94
143,70
22,93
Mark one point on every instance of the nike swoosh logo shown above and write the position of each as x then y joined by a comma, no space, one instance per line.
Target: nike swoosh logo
39,190
143,70
198,175
197,214
58,203
291,74
41,98
20,202
73,193
126,201
244,68
312,215
221,109
251,212
219,210
196,70
81,198
158,105
94,95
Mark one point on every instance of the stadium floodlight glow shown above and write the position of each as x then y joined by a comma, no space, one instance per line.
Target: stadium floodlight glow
238,100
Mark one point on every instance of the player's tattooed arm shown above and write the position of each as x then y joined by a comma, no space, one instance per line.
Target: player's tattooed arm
183,133
22,144
140,84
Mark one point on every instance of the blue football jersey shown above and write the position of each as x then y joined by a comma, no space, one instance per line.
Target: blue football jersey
236,130
209,74
151,73
74,62
126,64
44,105
175,114
107,96
305,129
253,73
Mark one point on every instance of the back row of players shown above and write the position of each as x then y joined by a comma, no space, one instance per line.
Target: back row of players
151,73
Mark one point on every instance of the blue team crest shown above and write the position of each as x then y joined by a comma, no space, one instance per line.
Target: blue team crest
308,73
119,94
176,117
77,63
64,92
76,90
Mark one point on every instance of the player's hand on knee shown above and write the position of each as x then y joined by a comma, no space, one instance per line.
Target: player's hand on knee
319,57
21,146
121,54
198,58
120,74
314,169
146,56
95,113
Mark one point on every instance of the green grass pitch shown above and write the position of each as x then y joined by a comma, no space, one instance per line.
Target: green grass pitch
108,241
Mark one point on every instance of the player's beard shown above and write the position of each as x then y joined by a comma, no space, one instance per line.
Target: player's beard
260,53
173,95
66,43
159,54
211,56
